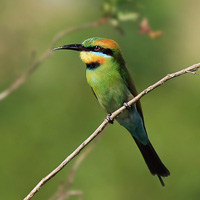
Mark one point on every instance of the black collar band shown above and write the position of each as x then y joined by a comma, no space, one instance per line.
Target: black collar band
93,65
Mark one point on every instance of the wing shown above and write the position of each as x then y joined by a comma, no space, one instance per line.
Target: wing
94,93
131,86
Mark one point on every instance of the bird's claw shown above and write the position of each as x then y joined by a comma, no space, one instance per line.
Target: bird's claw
110,119
128,107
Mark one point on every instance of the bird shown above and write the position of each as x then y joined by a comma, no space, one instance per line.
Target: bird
112,85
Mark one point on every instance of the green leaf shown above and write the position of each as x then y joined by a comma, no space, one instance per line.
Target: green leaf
130,16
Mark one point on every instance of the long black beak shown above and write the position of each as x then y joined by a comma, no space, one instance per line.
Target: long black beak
75,47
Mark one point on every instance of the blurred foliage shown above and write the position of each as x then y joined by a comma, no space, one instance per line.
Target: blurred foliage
55,110
114,9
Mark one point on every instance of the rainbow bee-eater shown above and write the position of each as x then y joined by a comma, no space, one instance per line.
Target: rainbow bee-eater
111,83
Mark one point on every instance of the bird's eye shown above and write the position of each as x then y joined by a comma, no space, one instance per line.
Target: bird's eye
97,48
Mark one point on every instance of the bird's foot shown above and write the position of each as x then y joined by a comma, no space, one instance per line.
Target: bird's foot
128,107
110,119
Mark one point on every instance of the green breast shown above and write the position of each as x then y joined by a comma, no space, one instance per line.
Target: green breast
108,86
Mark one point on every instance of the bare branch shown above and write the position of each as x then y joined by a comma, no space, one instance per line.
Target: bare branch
76,193
103,125
48,53
64,189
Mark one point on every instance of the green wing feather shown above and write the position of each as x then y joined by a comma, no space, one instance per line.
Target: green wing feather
131,86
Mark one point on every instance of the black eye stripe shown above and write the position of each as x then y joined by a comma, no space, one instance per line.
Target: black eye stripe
108,52
100,49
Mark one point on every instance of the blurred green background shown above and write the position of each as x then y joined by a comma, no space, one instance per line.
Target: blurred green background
54,111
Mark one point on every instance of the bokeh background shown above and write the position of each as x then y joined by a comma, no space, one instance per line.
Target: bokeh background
54,111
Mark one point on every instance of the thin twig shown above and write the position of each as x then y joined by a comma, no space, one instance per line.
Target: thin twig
48,53
104,124
64,189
